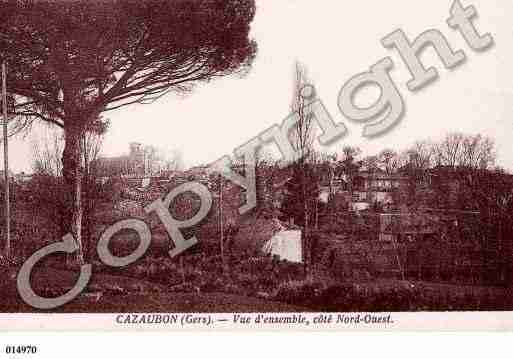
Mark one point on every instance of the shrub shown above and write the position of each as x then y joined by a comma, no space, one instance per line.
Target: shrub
298,292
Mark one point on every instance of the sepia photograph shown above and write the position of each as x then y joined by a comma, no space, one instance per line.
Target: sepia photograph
256,164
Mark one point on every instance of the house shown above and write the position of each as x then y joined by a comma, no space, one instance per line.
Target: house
285,244
369,185
273,237
22,177
377,180
131,165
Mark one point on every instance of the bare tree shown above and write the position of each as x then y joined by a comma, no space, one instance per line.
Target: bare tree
302,134
303,188
421,155
448,151
47,147
349,165
70,61
389,160
467,151
477,152
91,145
416,162
305,166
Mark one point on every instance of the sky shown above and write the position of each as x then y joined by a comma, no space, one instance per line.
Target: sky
335,42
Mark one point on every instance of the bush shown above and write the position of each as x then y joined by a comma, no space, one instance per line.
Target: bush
298,292
43,208
248,282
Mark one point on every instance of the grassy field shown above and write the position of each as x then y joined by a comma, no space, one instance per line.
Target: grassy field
127,295
119,294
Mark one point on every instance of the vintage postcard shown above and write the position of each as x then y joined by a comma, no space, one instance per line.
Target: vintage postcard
255,165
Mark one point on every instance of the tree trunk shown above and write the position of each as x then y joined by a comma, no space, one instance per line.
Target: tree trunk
306,237
72,172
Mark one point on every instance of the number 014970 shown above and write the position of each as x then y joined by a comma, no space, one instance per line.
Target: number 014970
20,349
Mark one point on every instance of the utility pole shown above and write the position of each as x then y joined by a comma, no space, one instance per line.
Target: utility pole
221,224
6,165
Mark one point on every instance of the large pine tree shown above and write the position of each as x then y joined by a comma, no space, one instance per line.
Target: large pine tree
71,61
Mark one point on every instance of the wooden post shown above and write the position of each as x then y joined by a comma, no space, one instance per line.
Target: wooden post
317,213
182,269
6,165
221,224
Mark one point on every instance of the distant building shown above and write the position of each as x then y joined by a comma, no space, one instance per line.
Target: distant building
131,165
367,187
22,177
378,180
